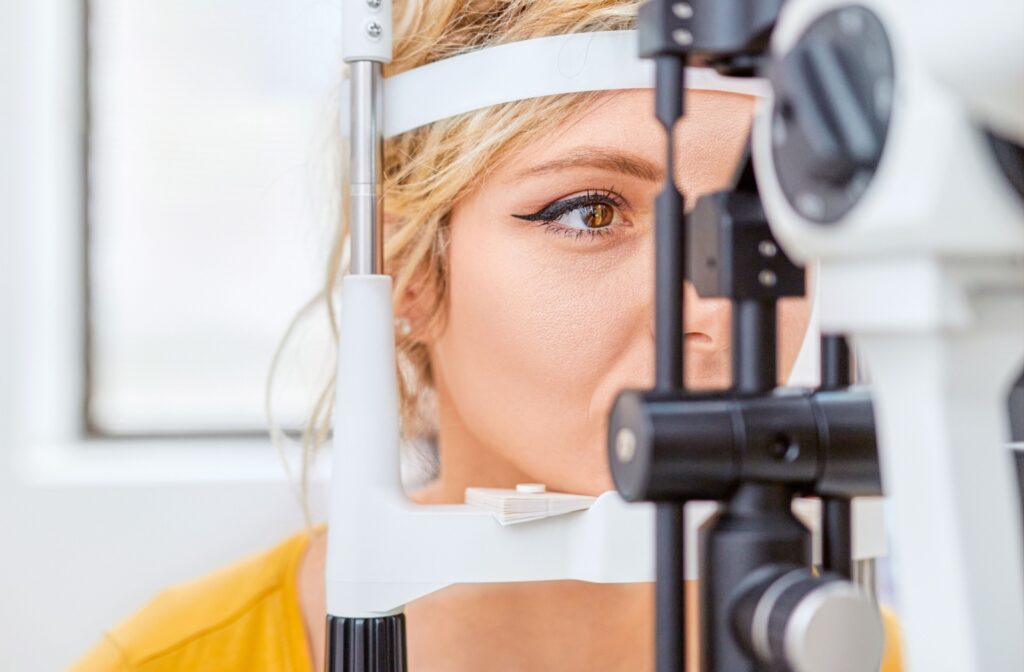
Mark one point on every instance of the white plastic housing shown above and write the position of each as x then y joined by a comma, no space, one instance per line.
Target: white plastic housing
937,191
927,273
357,40
978,51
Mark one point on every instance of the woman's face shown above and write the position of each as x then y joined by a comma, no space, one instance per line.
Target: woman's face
550,306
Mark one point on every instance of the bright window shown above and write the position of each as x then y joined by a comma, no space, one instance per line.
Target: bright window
210,168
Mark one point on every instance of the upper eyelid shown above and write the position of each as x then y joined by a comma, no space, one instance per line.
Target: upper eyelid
570,203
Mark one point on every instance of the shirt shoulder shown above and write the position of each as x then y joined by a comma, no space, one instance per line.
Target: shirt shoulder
243,617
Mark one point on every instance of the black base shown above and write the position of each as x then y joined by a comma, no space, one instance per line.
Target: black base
366,644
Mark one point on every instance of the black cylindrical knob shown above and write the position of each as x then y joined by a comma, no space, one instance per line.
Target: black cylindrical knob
366,644
672,448
849,464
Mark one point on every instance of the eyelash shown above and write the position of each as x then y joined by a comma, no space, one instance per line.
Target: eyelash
548,216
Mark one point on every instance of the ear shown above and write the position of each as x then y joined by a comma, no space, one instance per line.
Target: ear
415,309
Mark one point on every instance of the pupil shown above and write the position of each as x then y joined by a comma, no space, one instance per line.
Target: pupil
598,216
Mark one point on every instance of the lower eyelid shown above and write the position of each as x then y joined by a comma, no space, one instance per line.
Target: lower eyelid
574,232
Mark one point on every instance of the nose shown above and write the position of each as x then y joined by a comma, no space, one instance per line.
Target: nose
707,323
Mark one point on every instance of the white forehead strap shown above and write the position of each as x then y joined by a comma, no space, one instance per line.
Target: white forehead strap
543,66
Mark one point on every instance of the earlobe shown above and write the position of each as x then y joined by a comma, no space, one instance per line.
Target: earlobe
403,326
412,314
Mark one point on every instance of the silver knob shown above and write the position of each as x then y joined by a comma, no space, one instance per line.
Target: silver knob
835,628
792,619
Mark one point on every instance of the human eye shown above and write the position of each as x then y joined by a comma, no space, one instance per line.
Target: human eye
594,214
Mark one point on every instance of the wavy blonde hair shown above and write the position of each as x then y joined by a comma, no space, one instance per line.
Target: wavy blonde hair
430,169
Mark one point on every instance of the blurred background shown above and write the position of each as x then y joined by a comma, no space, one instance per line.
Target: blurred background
166,197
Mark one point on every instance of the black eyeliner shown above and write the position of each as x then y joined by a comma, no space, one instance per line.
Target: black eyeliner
553,211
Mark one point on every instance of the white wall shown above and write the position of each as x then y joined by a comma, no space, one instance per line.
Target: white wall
88,531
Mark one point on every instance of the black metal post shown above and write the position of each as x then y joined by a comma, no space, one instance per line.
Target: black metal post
756,526
670,357
836,363
753,344
836,536
669,238
836,514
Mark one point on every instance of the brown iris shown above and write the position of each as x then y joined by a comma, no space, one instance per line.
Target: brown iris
598,215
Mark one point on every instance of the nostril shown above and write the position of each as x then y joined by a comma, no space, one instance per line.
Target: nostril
697,337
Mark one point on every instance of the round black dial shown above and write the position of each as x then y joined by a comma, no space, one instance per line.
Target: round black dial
834,96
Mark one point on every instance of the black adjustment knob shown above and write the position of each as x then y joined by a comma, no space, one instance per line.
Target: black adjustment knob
791,619
366,644
829,104
834,95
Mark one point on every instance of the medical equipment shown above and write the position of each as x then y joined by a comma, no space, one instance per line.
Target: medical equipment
918,226
375,531
873,155
384,551
752,448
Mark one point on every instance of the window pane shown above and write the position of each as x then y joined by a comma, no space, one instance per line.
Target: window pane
210,162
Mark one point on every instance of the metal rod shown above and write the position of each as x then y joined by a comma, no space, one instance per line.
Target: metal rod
865,576
669,237
366,212
669,599
753,346
670,358
836,523
836,371
836,535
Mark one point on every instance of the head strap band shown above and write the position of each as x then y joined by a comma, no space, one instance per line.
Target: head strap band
543,66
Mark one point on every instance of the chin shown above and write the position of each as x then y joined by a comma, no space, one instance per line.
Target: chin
592,478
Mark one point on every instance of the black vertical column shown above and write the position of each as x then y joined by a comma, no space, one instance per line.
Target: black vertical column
755,527
836,514
753,346
669,361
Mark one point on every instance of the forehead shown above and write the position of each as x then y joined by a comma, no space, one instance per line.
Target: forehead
625,120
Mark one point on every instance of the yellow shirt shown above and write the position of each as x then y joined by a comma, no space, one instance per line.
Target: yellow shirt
245,618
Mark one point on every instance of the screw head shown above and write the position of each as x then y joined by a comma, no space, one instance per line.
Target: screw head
810,205
851,21
625,445
767,278
683,38
373,4
767,249
682,10
374,29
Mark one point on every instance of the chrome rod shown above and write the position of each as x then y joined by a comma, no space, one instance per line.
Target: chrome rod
366,212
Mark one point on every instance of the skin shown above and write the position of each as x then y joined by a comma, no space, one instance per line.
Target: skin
543,330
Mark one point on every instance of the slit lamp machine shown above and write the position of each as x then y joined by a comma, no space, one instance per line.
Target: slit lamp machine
887,152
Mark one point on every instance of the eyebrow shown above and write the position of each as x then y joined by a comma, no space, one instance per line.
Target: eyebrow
602,158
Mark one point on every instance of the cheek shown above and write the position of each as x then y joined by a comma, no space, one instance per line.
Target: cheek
535,330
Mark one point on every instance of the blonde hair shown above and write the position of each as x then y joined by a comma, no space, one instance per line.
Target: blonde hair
429,169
